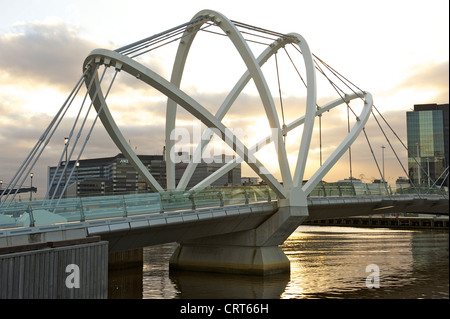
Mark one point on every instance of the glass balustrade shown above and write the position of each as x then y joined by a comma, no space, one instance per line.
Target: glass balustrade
34,213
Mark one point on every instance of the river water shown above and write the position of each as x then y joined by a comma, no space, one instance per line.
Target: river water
326,262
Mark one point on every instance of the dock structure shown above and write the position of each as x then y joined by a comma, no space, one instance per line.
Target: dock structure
63,269
403,222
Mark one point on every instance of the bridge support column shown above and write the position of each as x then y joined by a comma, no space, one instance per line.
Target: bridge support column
252,252
230,259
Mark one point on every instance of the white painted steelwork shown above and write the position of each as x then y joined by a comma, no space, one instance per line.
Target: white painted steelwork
291,186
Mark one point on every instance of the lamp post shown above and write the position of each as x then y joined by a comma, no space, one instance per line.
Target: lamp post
382,156
418,162
31,189
66,141
78,165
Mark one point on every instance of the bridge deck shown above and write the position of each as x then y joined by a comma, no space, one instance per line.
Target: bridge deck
177,216
337,199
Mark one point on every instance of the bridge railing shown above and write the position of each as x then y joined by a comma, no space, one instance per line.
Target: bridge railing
216,197
362,189
26,213
37,212
32,213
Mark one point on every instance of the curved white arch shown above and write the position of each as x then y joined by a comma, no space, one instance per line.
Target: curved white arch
237,89
313,181
255,72
146,75
177,97
343,147
114,131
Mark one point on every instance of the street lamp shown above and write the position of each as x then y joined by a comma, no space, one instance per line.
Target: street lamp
31,189
418,162
382,156
66,141
78,165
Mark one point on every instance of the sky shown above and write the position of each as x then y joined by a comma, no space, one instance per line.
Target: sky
396,50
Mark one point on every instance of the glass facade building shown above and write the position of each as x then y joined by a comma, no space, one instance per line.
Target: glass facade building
115,175
427,134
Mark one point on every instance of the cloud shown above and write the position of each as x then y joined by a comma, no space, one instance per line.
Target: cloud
44,53
431,76
435,75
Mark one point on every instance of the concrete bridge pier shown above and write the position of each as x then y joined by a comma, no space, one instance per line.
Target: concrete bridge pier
250,252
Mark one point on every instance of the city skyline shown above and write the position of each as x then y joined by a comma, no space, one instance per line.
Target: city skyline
43,47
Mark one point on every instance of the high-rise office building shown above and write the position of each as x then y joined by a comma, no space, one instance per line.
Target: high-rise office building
427,134
115,175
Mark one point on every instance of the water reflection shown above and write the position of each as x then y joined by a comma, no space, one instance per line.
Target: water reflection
192,285
326,262
156,281
330,262
125,284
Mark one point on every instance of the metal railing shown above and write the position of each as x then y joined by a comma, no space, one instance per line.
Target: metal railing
362,189
26,213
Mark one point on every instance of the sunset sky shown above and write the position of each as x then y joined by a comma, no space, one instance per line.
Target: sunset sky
397,50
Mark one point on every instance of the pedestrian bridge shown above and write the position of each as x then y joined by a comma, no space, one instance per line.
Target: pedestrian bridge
237,229
370,198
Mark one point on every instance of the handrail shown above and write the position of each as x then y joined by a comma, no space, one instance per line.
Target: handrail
24,213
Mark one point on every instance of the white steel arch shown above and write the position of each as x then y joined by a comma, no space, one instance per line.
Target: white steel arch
234,93
156,81
177,97
337,154
255,72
